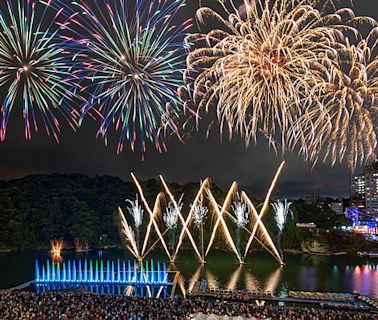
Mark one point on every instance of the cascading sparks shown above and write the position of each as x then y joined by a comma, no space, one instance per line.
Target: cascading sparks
245,216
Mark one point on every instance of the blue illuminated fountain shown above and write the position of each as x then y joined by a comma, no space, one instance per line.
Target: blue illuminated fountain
98,272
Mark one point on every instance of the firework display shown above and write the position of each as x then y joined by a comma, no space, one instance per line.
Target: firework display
35,68
199,214
299,72
341,124
131,61
171,214
136,211
282,210
165,219
264,65
241,212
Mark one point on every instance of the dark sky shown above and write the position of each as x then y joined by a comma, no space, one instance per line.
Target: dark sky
198,158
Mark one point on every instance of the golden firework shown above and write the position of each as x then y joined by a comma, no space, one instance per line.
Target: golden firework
258,70
341,124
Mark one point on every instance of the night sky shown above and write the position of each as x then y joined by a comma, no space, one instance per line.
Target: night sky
196,159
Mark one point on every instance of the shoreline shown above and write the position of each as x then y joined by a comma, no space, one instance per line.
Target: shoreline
289,251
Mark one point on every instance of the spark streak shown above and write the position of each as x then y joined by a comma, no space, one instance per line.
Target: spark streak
151,214
262,212
203,187
226,203
220,219
180,217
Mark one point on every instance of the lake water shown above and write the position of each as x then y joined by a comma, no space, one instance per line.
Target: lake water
261,271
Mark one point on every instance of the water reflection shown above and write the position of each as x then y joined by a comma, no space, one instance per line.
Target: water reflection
251,282
274,280
365,279
234,281
234,278
325,274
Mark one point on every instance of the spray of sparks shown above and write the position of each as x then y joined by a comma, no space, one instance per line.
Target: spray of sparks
342,123
268,62
136,211
281,209
241,212
199,214
56,246
128,231
132,65
171,214
35,68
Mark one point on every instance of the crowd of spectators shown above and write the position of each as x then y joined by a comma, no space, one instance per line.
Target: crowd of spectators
84,305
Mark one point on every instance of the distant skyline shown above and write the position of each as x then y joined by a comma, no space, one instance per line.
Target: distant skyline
196,159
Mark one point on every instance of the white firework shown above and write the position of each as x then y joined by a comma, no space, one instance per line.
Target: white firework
136,211
199,214
172,213
282,209
241,212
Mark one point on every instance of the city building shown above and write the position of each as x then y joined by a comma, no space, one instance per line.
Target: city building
357,191
371,188
364,189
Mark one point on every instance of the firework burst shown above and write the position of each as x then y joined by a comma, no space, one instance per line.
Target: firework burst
342,123
35,68
199,214
171,214
132,65
241,212
136,211
260,66
281,209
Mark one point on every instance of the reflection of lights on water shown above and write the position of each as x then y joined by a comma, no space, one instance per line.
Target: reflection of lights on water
308,277
211,280
195,278
365,279
273,280
234,278
251,282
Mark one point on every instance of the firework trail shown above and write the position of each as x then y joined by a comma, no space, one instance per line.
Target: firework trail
281,209
136,211
128,231
259,68
241,212
199,216
35,68
132,61
171,216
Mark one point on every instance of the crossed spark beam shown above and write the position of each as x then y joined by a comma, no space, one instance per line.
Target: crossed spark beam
220,212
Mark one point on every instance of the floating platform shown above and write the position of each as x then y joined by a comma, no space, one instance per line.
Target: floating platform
100,272
322,300
131,278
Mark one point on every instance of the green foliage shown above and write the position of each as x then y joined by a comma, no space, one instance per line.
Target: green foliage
38,208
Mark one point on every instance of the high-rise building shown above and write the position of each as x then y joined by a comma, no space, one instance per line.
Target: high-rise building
371,188
364,189
357,191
